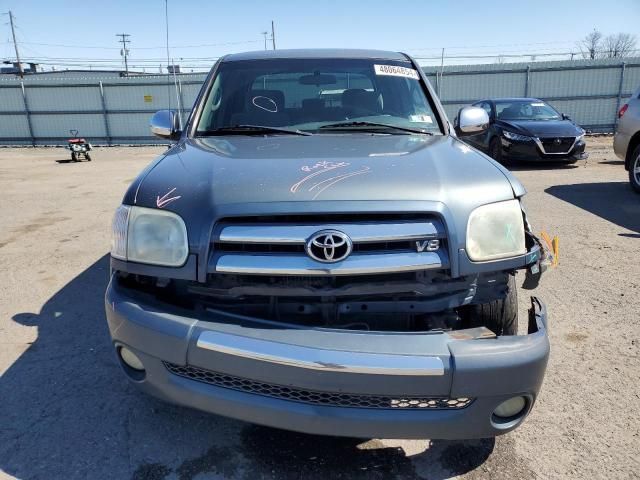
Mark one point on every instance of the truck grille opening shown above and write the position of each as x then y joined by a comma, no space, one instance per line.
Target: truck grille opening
413,301
331,399
398,302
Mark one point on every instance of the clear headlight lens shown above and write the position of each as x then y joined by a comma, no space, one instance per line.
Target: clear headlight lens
496,231
119,232
516,136
148,235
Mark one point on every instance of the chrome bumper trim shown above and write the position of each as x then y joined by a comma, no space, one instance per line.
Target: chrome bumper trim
320,359
361,264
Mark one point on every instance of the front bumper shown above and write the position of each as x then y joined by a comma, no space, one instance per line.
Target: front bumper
530,151
621,144
331,364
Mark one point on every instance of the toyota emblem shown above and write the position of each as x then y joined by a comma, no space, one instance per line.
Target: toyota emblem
329,246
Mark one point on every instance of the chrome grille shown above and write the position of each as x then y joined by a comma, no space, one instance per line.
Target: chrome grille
276,246
333,399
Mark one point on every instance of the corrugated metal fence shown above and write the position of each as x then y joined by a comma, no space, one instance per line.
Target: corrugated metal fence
41,109
589,91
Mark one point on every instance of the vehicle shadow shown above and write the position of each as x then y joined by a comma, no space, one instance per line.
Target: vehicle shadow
613,201
67,412
534,166
68,160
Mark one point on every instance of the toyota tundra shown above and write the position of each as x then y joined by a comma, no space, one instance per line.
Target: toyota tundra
318,251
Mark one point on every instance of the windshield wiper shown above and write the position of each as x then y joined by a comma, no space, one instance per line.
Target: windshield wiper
250,130
372,125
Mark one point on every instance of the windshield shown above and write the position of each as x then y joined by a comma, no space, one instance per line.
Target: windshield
318,96
525,110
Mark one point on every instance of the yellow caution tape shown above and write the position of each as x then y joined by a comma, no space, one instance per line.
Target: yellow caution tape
556,250
553,247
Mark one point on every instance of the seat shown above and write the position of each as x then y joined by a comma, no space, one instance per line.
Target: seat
360,102
262,107
512,111
313,110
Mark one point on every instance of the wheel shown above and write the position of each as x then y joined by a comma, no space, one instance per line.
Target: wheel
88,157
634,169
499,316
495,150
74,157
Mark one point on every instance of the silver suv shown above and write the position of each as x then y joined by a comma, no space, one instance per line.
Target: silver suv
626,142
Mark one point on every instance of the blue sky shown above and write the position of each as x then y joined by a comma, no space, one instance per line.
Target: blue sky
421,28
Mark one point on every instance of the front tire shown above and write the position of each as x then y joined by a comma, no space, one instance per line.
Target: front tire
74,157
495,150
88,157
634,170
499,316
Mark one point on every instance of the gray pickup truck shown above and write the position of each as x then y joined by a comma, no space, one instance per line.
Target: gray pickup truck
319,252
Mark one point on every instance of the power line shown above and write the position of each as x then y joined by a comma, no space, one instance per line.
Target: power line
463,47
161,47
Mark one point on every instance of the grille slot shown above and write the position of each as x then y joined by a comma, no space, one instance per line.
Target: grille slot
332,399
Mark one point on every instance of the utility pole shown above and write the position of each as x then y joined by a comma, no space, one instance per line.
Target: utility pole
265,39
125,51
15,44
273,35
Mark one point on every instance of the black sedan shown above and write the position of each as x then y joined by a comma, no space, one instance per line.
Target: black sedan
528,129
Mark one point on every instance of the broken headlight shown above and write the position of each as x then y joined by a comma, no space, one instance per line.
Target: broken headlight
148,235
496,231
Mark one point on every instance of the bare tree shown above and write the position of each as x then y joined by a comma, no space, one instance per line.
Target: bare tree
619,45
590,46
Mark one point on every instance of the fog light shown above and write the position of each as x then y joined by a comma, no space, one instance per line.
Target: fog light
511,407
131,359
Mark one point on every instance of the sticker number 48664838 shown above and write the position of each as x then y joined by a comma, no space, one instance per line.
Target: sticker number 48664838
396,71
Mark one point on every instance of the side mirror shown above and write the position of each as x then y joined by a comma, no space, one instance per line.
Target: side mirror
565,117
471,121
164,124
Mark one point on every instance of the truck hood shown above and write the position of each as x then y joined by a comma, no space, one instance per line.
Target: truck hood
209,173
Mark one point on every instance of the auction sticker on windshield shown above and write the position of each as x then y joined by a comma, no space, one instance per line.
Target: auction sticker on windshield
396,71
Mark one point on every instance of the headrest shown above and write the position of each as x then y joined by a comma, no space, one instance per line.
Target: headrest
360,98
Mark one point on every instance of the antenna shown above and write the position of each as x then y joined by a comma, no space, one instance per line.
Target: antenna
175,83
124,51
15,44
166,26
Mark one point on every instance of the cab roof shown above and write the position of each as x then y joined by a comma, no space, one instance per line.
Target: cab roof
316,53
